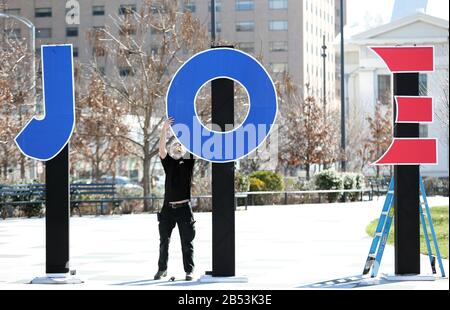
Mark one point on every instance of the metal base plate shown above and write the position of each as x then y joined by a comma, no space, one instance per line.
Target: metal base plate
412,277
211,279
60,279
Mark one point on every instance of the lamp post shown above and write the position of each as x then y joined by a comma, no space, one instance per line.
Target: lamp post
213,22
343,133
324,99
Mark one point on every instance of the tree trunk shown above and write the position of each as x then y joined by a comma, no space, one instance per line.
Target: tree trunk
5,169
22,167
146,181
307,166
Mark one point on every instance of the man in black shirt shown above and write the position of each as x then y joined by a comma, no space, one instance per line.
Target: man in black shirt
176,208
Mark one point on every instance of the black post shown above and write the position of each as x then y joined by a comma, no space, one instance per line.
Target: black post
213,21
406,192
324,100
223,222
57,213
343,133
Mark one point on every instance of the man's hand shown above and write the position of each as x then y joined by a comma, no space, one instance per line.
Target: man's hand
167,123
162,140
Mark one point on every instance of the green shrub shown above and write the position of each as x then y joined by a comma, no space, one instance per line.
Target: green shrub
241,182
295,184
329,180
436,186
256,185
352,180
265,181
272,181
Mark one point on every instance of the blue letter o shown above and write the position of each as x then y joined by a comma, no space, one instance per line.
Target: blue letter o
207,66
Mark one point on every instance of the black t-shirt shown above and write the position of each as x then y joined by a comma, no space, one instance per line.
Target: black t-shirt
178,178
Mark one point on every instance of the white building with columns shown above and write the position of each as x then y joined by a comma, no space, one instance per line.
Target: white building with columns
369,82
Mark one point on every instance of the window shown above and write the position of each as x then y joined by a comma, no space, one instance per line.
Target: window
245,26
155,30
72,32
43,33
15,33
75,52
127,30
154,50
218,27
279,46
98,49
423,84
218,6
423,130
278,25
127,9
248,47
101,70
244,5
98,10
384,89
190,6
125,71
158,8
13,12
278,67
43,12
278,4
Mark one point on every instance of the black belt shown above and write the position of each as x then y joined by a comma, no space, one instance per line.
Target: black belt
175,205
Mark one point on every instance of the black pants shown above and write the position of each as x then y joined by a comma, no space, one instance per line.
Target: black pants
184,218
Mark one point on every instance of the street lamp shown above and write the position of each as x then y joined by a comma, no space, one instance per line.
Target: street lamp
213,21
324,100
32,29
343,133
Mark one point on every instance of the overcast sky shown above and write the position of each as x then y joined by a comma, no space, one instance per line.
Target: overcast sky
372,12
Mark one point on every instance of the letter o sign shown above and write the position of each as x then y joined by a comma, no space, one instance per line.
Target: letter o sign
218,63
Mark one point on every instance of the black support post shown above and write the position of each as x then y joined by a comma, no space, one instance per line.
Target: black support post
406,192
223,221
57,213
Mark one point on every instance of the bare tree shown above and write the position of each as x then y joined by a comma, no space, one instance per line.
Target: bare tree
145,48
100,121
16,90
380,136
356,139
309,137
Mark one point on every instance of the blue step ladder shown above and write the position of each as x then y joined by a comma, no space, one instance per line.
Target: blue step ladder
379,241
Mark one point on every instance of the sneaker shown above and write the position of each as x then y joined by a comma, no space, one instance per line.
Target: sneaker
160,274
189,276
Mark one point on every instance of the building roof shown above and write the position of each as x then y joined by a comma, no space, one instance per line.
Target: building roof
415,28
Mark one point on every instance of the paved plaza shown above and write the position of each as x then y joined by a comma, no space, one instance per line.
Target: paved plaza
277,247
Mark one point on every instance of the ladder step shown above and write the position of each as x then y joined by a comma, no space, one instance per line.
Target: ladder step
390,192
385,213
378,234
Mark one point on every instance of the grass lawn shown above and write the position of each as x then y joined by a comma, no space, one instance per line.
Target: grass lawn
440,222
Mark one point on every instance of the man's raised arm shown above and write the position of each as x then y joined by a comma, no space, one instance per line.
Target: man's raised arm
163,137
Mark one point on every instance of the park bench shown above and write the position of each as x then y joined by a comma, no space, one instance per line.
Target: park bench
22,196
95,193
378,186
28,195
